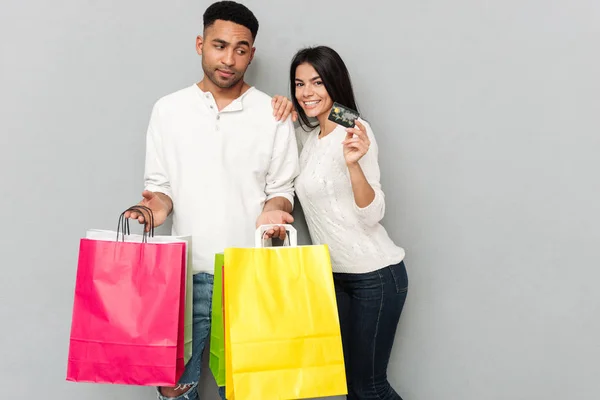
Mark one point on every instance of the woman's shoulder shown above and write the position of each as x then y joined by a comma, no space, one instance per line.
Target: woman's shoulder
304,130
302,135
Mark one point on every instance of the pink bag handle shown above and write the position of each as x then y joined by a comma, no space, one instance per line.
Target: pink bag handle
123,225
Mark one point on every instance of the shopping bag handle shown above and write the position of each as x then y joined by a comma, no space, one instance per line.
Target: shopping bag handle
150,222
291,236
123,225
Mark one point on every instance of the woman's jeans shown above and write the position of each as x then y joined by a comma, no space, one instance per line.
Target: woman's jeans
369,306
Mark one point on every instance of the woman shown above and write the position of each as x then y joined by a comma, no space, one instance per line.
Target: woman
340,193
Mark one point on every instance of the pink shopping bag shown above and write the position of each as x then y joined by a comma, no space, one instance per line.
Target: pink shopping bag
129,309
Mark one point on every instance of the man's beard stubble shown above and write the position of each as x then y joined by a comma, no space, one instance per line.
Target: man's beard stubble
211,74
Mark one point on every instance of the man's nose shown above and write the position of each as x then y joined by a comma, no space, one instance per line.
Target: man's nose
228,58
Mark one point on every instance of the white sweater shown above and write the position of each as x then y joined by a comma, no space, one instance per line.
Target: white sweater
218,167
357,242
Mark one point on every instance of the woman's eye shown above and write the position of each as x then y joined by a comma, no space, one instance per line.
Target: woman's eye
318,83
299,85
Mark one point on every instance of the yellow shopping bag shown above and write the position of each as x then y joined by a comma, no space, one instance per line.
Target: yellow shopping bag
282,332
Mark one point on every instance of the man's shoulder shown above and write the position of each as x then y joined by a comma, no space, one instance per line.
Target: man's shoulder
260,107
256,97
177,98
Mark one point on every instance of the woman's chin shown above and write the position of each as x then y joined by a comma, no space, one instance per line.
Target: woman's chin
311,113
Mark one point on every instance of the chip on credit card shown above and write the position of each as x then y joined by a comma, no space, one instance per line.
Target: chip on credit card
343,115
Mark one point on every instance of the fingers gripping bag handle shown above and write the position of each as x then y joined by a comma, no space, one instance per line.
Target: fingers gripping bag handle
291,237
123,225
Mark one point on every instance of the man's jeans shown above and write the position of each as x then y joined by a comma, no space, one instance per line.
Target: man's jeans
203,289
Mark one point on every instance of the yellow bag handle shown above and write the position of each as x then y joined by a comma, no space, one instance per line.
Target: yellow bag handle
291,237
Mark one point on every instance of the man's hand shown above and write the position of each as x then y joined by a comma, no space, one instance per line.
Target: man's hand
275,217
159,203
282,108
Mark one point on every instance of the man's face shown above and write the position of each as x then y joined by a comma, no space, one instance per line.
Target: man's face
226,51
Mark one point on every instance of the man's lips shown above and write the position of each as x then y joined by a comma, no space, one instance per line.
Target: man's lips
225,74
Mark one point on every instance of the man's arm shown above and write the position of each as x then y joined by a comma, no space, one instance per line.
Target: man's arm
278,203
157,193
167,200
280,177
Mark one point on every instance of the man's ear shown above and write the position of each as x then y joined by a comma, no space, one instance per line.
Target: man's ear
199,44
252,55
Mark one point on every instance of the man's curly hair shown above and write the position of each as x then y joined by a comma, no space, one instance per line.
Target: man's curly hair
231,11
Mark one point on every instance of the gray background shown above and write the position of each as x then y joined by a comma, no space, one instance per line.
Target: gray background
486,113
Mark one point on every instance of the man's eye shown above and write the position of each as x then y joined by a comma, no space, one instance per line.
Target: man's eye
241,52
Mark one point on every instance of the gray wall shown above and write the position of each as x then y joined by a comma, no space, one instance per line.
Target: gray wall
487,119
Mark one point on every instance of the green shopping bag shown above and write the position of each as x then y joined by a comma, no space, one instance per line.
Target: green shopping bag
217,336
189,304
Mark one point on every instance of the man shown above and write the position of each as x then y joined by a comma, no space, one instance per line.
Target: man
220,162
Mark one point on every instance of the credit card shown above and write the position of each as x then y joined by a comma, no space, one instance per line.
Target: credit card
343,115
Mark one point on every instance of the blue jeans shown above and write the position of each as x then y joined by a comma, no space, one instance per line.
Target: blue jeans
203,289
369,306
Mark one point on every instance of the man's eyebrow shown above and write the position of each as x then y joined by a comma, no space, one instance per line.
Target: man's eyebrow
226,43
220,41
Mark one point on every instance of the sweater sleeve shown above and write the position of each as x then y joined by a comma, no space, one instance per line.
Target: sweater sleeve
155,174
283,168
373,213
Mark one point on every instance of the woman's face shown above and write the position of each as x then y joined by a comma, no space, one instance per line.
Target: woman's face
310,92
